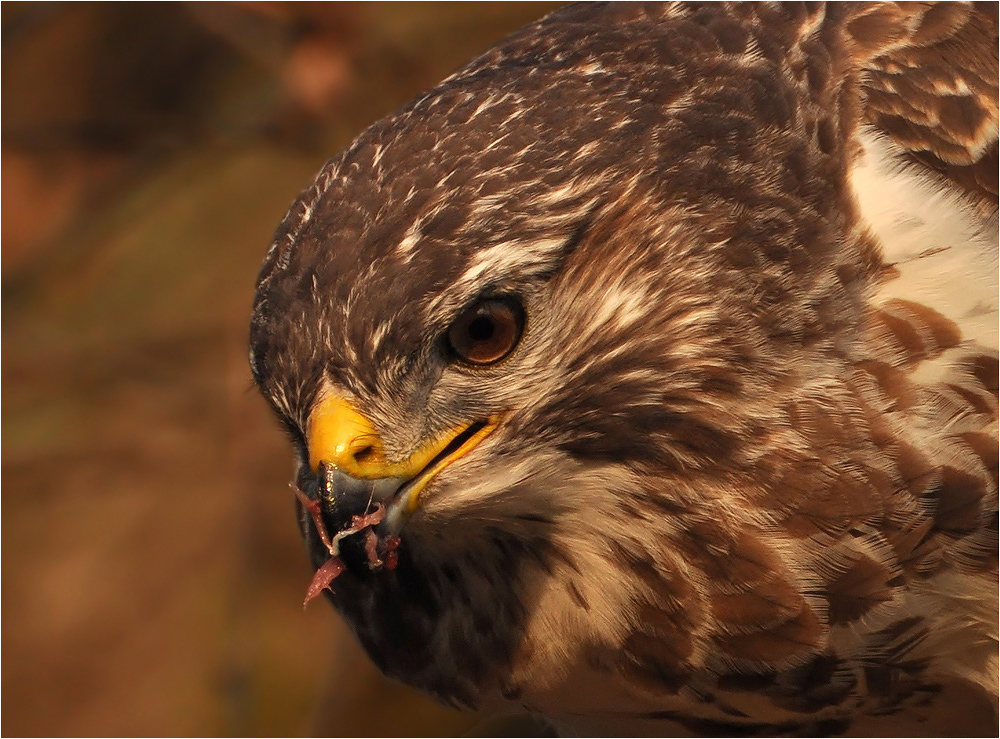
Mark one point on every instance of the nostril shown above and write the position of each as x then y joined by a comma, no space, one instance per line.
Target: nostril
364,454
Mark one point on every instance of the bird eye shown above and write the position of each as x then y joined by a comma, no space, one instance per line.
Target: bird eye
487,331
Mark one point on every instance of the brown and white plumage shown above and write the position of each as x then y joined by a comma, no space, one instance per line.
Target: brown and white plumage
739,471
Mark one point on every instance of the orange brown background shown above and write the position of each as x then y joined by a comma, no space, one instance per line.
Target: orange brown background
152,573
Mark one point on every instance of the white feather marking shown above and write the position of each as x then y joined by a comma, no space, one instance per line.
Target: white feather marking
508,256
958,604
944,250
486,104
409,240
956,87
379,334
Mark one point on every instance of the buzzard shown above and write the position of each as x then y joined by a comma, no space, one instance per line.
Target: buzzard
643,373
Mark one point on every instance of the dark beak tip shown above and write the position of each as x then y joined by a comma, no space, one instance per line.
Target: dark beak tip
341,496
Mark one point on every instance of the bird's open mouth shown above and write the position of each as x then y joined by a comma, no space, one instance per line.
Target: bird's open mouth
381,519
406,498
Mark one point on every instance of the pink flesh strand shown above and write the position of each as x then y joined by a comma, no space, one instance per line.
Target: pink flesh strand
330,569
371,542
391,555
312,507
368,519
325,575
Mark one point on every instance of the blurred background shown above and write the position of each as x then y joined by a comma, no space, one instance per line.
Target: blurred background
152,572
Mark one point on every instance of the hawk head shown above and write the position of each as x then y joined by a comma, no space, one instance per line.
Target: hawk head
576,326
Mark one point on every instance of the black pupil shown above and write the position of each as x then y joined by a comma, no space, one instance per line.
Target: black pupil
481,329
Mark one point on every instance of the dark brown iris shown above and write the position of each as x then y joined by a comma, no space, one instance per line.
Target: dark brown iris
487,331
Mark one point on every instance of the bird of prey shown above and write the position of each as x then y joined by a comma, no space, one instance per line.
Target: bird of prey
643,374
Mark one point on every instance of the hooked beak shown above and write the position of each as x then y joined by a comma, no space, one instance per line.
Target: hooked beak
347,457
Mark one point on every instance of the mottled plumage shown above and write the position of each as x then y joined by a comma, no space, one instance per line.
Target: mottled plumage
737,472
